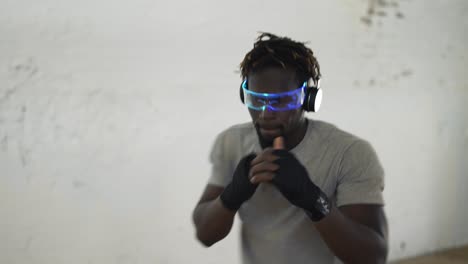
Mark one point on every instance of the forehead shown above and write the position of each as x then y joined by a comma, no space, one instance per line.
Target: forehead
272,80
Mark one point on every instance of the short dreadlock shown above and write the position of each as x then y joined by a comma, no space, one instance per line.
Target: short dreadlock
271,50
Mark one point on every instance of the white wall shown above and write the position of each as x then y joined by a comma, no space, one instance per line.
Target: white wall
108,110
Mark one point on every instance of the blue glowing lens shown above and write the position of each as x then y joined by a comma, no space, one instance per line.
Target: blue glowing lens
283,101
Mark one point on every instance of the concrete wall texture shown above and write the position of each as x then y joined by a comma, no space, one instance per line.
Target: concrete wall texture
108,110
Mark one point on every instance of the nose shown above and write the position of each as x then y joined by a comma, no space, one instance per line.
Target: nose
267,113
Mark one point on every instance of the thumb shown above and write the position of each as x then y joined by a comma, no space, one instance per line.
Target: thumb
278,143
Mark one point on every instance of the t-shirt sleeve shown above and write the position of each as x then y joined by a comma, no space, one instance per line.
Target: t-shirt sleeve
361,178
221,162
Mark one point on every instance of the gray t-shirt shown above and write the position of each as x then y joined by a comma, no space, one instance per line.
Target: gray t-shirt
344,166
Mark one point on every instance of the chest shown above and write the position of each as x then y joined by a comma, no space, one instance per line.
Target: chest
268,209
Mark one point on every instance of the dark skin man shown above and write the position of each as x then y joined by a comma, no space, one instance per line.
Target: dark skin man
355,233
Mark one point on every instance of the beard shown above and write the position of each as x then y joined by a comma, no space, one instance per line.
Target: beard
265,141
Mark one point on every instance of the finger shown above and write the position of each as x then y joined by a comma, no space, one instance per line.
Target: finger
262,177
266,155
263,167
278,143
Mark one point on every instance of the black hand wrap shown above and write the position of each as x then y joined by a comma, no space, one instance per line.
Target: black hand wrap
293,181
240,189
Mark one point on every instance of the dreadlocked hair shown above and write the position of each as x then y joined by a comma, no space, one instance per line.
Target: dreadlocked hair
271,50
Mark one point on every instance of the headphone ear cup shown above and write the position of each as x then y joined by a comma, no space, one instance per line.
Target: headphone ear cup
305,105
241,94
312,100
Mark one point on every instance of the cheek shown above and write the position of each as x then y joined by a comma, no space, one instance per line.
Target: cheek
254,114
292,119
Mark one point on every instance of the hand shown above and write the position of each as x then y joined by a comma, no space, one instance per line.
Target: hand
293,181
263,167
250,171
240,189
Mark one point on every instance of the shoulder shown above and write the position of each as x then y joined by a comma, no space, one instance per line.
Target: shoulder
333,135
234,141
354,151
345,144
241,128
236,132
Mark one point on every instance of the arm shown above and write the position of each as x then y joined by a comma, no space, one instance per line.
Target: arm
212,220
214,213
356,233
360,231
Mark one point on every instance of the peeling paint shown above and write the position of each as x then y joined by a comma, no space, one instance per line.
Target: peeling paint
380,9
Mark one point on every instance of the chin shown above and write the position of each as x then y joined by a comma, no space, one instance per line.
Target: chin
266,140
269,137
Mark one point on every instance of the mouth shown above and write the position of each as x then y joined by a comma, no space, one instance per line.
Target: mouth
270,132
267,132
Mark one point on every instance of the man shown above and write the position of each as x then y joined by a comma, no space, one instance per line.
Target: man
306,191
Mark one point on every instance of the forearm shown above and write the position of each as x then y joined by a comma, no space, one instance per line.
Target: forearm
350,241
213,221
